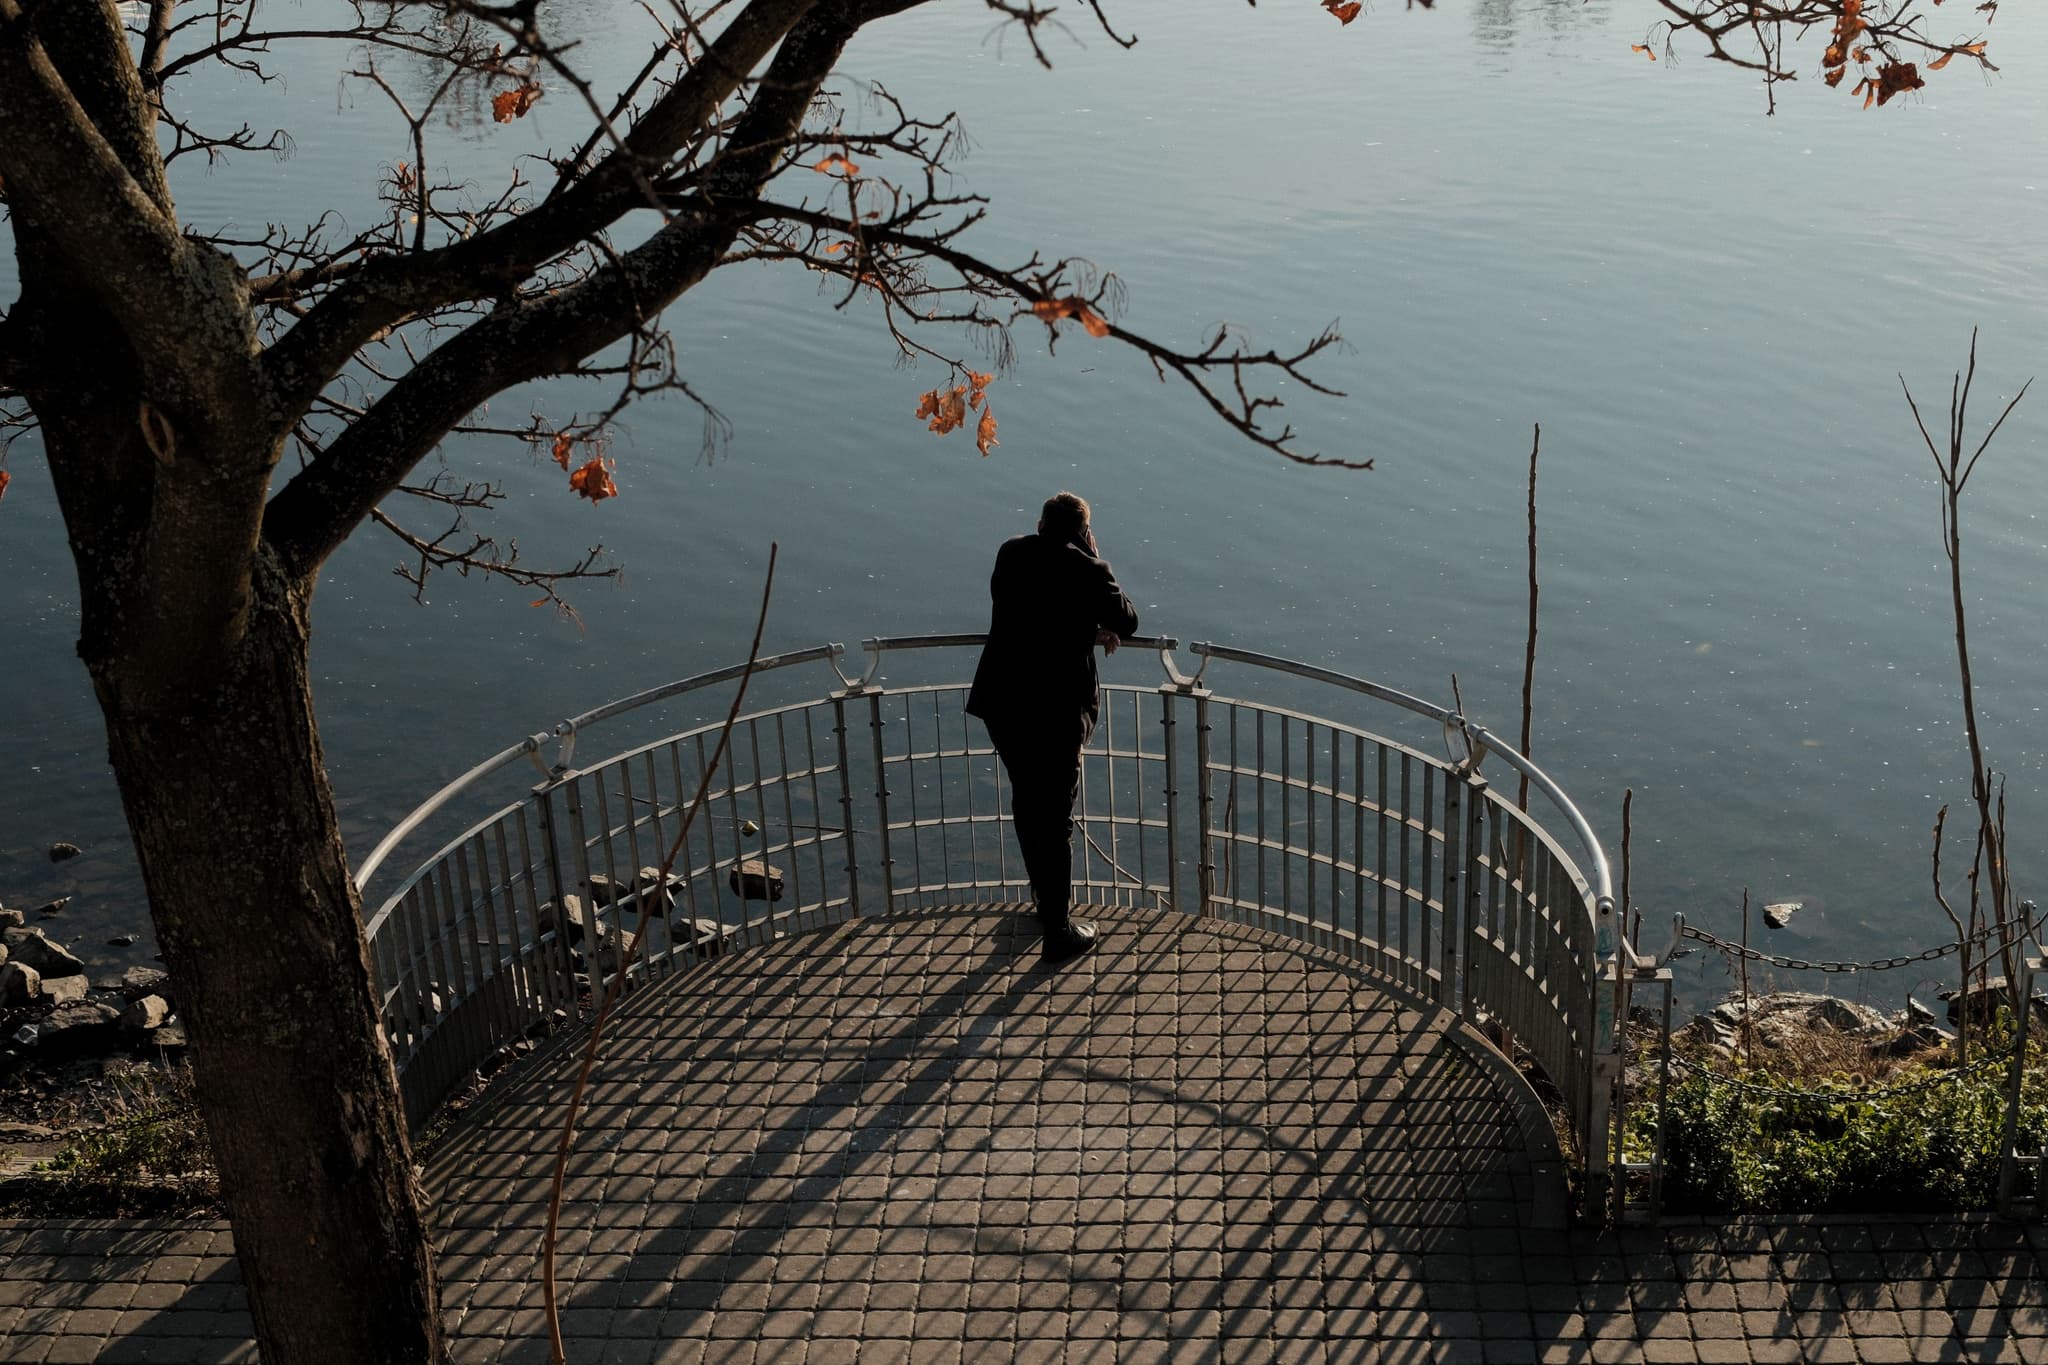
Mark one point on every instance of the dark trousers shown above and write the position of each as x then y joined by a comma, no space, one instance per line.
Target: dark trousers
1043,762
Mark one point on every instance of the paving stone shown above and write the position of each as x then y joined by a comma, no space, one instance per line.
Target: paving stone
908,1142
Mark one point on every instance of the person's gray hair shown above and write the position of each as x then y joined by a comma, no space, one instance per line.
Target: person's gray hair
1064,514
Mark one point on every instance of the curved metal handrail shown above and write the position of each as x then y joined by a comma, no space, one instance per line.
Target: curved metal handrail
878,795
1480,741
565,733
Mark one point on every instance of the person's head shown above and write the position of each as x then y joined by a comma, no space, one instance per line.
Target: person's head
1065,516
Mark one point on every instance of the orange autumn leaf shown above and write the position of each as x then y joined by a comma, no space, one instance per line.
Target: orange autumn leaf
1834,77
1643,48
594,481
538,602
943,411
1939,62
985,432
563,445
975,384
5,479
1345,12
836,164
1073,306
952,412
507,105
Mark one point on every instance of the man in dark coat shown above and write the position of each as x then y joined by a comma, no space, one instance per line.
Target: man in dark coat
1054,599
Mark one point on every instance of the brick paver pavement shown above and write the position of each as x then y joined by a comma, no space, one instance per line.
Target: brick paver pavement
905,1140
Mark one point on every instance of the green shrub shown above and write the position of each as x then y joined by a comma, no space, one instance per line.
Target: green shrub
1816,1147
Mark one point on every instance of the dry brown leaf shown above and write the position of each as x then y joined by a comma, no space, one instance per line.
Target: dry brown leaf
507,105
985,432
594,481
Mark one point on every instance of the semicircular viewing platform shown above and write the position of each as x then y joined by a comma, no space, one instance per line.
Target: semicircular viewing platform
905,1137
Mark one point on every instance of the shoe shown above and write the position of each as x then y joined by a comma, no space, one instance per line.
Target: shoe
1068,941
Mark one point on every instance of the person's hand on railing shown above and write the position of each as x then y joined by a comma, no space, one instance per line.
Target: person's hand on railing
1109,640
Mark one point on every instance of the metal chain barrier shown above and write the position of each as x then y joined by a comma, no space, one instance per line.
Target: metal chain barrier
2012,938
1714,1077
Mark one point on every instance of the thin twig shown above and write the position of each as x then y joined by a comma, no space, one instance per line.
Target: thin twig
648,897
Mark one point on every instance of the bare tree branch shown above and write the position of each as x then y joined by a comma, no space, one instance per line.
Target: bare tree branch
1218,371
389,290
544,335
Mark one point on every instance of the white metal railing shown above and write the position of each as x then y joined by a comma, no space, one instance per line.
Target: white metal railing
878,797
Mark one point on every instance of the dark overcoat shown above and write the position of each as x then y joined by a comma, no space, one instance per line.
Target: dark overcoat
1049,596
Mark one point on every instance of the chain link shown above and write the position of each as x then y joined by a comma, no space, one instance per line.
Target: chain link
2013,938
1883,1092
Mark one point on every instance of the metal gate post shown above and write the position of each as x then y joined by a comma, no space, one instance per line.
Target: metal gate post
1205,802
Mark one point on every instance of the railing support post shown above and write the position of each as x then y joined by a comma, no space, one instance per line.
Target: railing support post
1205,803
558,885
1166,725
1476,864
846,806
1452,956
1610,992
2009,1159
882,803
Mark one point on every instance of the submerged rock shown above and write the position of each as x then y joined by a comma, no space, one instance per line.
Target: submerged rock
59,851
1778,914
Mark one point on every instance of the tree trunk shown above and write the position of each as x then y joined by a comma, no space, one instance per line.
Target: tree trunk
227,797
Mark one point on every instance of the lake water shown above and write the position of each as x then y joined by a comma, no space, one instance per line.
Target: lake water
1516,220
